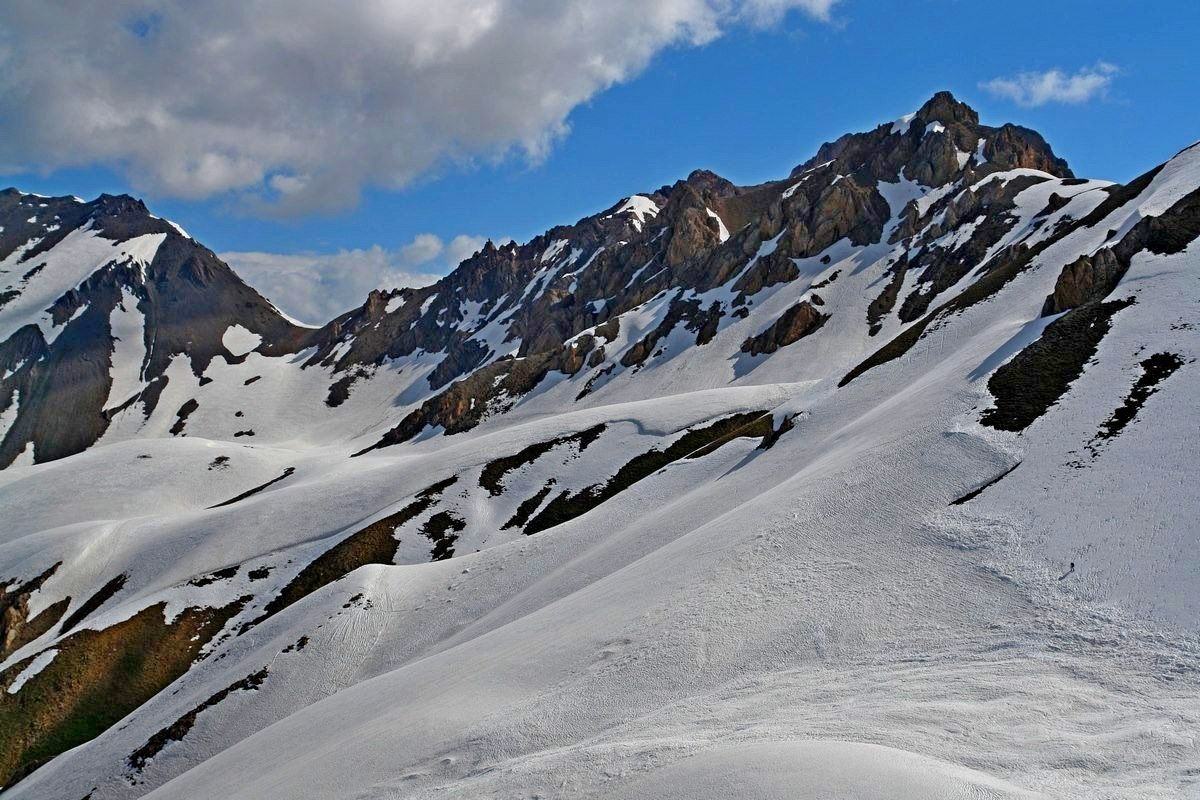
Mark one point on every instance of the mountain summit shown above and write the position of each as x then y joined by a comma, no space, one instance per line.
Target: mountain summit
870,469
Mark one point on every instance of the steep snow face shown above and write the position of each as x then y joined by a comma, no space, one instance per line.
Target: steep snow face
127,325
858,591
901,125
638,207
9,415
722,231
38,282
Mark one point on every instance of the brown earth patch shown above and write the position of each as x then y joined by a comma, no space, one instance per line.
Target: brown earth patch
16,628
96,679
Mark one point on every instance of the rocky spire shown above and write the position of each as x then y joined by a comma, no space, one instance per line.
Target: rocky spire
943,107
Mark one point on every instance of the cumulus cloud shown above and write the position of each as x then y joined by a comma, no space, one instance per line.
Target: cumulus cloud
462,247
294,105
1054,86
315,287
423,248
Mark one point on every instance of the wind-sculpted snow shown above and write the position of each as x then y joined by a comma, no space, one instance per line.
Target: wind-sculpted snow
870,482
817,770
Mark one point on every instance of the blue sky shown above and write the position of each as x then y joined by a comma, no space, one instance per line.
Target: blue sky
750,104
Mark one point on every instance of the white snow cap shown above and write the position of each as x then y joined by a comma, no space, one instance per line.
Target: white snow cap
640,207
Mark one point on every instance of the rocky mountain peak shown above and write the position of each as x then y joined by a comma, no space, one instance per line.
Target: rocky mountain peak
943,107
940,143
707,180
62,311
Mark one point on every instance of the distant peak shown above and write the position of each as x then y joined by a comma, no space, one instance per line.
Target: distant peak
120,199
943,107
705,179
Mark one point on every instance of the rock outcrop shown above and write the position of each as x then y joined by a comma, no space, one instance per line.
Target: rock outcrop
1086,278
793,325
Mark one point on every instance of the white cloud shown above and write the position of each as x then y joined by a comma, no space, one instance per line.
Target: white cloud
424,248
295,105
768,12
463,247
1054,86
316,287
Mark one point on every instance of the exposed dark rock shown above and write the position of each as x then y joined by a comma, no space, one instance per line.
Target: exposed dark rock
703,322
495,387
214,577
94,603
1027,386
768,271
942,267
492,475
528,506
971,495
1155,369
287,473
178,729
188,296
181,416
793,325
882,305
1167,233
1084,279
442,529
695,443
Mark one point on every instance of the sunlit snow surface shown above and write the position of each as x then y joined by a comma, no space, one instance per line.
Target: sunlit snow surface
129,349
239,340
814,620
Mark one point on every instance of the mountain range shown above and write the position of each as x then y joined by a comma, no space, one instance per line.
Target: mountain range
867,479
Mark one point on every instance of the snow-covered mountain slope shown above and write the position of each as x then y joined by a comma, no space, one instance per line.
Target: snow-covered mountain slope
99,304
870,482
